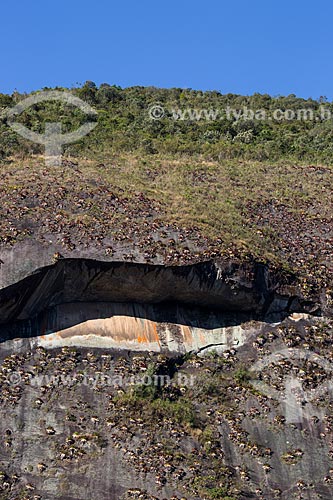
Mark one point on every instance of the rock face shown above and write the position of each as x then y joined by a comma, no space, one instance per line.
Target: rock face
77,421
71,430
144,307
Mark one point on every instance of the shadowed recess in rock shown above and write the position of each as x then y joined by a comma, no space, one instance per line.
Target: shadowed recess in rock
157,307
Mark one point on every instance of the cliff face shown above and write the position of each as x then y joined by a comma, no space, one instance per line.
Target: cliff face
145,307
123,377
78,423
80,338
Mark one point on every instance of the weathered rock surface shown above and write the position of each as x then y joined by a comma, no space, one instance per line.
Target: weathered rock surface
77,422
145,307
71,429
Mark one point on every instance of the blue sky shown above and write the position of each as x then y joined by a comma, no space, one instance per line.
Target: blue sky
282,47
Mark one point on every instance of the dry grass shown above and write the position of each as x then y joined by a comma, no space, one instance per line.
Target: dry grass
280,212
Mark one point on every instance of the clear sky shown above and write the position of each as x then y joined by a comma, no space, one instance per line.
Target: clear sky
276,47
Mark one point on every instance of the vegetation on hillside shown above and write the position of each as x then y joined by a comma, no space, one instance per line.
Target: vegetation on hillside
176,190
282,127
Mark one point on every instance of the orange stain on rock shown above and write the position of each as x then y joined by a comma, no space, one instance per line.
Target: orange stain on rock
187,334
157,338
147,332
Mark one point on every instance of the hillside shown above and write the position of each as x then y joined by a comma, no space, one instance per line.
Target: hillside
172,190
188,236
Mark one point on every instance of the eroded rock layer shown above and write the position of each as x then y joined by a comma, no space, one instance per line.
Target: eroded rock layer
145,307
